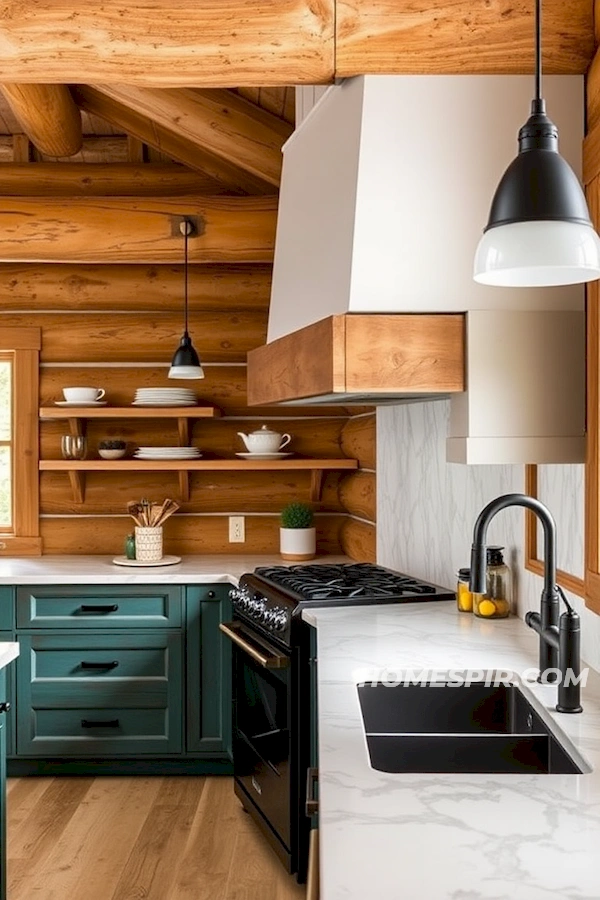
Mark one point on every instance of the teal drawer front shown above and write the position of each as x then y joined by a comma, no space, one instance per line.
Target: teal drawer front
115,731
53,689
101,658
7,608
77,607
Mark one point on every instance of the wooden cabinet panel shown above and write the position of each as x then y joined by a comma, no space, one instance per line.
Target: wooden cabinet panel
208,670
98,606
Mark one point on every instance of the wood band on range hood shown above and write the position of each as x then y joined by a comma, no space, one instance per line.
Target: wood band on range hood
361,358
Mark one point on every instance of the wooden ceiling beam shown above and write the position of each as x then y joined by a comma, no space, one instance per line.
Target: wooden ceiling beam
48,116
124,229
169,43
102,180
459,37
221,123
177,146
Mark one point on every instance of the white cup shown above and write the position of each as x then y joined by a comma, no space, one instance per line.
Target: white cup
83,394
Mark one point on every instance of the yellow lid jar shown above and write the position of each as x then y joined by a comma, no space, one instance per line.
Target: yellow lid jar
464,597
496,602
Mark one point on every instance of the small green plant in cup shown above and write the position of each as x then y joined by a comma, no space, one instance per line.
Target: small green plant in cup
297,535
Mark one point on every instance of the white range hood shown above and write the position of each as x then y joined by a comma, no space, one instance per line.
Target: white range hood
386,188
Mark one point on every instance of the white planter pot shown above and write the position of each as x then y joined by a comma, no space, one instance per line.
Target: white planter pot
297,543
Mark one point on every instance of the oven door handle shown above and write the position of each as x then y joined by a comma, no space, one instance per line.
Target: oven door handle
235,633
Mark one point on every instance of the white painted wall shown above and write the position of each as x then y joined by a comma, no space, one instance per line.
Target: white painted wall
427,507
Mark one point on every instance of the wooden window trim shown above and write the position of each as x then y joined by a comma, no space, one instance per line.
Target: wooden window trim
25,344
532,562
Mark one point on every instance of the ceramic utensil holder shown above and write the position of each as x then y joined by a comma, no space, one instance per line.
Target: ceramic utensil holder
148,543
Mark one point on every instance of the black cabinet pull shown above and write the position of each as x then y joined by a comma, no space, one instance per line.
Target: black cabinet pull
102,608
211,595
99,723
99,665
4,707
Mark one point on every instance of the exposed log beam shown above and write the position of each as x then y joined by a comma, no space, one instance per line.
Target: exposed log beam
129,287
177,146
459,37
169,43
102,180
47,229
219,123
48,115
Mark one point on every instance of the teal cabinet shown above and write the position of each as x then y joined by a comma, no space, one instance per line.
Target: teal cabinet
118,679
99,694
8,692
208,669
2,789
99,606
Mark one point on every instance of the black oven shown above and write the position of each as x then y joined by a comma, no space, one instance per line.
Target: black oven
270,714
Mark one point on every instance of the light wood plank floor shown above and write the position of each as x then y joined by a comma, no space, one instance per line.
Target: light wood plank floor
176,838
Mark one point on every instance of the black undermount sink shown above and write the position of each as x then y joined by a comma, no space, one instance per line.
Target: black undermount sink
438,727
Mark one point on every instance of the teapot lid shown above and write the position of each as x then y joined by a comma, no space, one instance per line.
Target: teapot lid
264,429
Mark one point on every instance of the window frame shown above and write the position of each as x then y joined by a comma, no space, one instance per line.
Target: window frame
24,344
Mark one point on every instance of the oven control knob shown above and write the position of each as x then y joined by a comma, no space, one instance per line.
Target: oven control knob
279,619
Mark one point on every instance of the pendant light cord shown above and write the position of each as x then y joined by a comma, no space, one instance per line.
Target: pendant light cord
186,230
538,54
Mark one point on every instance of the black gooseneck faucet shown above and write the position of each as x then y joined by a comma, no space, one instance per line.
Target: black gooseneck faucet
560,637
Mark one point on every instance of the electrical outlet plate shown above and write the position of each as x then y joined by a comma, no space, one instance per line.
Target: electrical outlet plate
237,530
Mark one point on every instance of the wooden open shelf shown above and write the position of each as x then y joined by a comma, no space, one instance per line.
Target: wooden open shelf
77,469
77,416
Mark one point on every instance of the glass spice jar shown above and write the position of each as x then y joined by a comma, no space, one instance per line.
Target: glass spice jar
496,602
130,546
464,597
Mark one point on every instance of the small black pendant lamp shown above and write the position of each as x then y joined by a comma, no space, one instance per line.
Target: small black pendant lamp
186,363
539,231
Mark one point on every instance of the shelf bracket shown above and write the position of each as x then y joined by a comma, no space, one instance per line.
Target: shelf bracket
316,484
184,486
185,432
77,427
77,480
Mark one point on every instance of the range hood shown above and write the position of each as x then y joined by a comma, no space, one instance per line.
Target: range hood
386,187
361,359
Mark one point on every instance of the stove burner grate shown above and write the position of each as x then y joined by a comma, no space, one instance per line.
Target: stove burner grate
344,581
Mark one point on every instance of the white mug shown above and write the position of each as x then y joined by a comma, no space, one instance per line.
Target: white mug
83,394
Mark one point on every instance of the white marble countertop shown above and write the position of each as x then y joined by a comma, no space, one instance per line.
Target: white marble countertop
446,837
101,570
9,650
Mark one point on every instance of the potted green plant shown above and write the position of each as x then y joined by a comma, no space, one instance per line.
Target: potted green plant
111,449
297,535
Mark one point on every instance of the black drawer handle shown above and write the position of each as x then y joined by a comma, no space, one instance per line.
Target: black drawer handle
4,707
99,665
99,723
211,595
106,608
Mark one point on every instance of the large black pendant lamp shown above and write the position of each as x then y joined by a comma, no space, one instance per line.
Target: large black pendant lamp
186,363
539,231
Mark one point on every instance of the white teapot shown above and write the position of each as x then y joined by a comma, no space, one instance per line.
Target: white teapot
264,440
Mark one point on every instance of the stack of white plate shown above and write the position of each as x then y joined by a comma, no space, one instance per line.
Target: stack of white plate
165,397
167,453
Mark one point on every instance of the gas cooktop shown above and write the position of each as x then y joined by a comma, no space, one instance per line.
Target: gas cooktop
360,582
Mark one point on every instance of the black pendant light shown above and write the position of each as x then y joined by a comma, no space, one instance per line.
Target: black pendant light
539,230
186,363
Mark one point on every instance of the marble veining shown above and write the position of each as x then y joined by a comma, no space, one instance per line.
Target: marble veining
446,837
426,509
209,569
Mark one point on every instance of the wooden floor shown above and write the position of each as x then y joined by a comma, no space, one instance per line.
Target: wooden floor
181,838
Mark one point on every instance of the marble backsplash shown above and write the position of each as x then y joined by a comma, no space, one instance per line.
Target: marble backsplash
426,509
